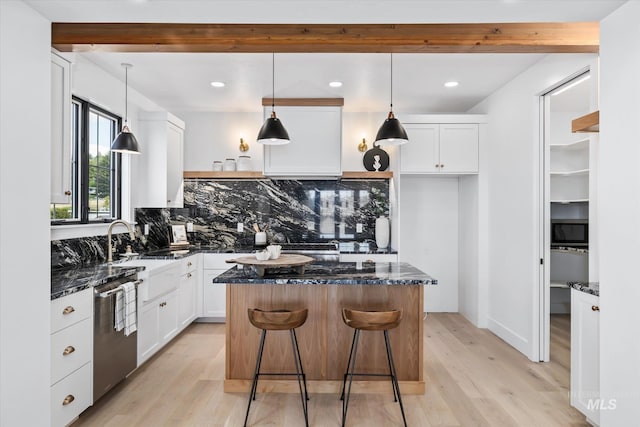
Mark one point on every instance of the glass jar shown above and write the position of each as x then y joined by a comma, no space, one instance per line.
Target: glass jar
244,163
217,165
229,165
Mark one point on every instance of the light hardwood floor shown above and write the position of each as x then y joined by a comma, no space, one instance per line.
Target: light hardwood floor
473,379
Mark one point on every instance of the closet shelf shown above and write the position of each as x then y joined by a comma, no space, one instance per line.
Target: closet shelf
567,201
571,173
582,144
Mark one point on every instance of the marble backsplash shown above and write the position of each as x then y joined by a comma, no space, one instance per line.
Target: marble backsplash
289,210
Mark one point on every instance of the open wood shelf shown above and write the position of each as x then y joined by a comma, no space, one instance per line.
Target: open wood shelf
587,123
259,174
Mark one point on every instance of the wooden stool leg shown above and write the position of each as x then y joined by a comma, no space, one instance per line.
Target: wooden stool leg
394,378
300,376
256,374
350,372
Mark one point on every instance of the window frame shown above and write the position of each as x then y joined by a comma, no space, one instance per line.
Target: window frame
80,167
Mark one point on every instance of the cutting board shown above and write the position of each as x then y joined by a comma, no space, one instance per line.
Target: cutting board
295,261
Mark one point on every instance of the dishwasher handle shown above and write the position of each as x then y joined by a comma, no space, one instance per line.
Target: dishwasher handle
114,290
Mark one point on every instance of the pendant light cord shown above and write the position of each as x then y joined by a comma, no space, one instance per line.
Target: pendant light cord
273,82
126,96
391,105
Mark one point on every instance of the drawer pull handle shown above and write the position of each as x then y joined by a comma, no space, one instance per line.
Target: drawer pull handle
68,400
68,350
595,308
189,274
68,310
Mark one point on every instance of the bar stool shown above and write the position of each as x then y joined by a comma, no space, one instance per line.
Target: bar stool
370,321
279,320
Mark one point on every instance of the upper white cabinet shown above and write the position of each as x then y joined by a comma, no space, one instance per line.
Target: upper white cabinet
440,148
60,130
161,138
316,142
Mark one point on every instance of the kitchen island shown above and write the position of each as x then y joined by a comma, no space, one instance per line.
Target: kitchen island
324,340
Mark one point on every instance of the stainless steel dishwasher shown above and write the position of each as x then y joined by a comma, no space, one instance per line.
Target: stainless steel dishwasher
114,354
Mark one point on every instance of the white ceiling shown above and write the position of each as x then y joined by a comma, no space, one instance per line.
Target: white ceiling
181,82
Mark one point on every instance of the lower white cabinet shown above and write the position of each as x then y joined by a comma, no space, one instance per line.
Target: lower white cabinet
214,295
71,356
157,324
188,291
585,355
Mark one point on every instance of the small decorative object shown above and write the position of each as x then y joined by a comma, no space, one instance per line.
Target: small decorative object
244,163
179,237
243,145
217,165
262,255
229,165
274,251
382,232
261,239
376,159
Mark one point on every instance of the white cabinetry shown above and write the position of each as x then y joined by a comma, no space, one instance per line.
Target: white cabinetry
188,291
60,130
161,138
71,356
214,295
157,309
440,148
316,142
585,354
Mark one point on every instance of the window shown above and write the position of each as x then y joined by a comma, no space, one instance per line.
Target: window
95,170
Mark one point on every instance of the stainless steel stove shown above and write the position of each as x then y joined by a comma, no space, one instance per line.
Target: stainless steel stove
319,251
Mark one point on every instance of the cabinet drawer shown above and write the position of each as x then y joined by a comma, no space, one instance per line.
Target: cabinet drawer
158,282
71,309
218,261
71,396
188,265
70,349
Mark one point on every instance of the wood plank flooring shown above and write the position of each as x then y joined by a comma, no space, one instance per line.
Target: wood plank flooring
473,379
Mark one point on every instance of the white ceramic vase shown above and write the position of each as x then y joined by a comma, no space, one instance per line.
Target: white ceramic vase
382,232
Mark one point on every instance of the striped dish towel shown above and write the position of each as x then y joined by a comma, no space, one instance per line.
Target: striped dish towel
125,310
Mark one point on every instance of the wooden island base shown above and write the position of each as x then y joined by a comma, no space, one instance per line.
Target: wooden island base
324,340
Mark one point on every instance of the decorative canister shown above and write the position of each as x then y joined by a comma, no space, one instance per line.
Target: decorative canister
229,165
217,165
244,163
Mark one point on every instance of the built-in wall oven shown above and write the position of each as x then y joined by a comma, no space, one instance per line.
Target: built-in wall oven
114,353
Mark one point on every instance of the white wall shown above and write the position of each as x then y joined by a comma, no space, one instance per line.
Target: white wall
512,157
619,193
429,235
25,284
468,232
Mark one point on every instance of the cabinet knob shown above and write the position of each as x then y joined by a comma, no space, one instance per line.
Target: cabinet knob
188,274
437,165
68,350
441,165
68,310
595,308
68,400
189,264
67,193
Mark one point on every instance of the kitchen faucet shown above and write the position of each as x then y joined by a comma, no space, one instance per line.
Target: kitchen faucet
109,246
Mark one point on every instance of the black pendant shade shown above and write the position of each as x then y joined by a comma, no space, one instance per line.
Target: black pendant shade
125,142
273,132
391,132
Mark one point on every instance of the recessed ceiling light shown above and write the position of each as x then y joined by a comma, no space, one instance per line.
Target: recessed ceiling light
217,84
451,84
335,84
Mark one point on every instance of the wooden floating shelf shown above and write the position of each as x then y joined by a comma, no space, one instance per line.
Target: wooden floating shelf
587,123
259,175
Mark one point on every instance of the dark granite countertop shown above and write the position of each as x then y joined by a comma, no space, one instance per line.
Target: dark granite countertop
592,288
74,279
333,273
71,280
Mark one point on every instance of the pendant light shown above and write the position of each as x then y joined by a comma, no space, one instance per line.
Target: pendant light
272,131
126,142
391,132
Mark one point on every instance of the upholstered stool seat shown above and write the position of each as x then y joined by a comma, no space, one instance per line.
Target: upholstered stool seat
370,321
279,320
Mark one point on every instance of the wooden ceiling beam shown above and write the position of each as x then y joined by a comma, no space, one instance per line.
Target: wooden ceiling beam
544,37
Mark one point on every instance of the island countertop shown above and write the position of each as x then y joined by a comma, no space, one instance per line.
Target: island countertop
333,273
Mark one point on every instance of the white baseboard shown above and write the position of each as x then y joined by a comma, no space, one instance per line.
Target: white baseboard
515,340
